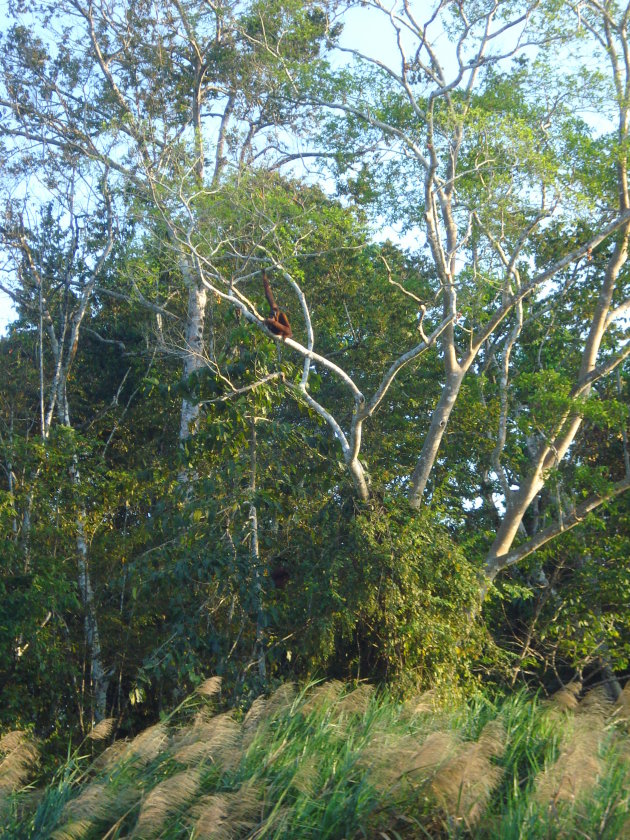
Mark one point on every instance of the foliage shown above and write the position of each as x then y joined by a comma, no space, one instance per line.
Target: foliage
383,593
181,492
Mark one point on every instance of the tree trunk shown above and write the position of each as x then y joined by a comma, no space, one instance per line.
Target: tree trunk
98,678
259,650
194,357
432,442
549,455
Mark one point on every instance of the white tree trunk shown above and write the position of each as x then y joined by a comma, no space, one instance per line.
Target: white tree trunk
98,678
551,453
439,422
259,650
194,355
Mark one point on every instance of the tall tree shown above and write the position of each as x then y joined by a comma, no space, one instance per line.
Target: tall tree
488,157
170,98
54,273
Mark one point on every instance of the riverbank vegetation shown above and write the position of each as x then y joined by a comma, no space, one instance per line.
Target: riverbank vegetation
317,370
330,762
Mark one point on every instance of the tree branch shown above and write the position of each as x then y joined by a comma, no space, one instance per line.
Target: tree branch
495,564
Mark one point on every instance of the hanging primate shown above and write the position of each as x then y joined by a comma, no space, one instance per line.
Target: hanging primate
278,323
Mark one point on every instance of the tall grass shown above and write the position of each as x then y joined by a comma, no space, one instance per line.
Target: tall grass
329,761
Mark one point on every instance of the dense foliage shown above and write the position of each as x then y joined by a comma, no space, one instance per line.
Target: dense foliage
425,485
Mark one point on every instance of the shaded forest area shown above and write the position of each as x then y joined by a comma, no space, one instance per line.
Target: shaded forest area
420,483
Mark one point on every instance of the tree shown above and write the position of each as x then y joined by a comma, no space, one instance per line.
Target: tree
490,160
154,94
56,275
472,374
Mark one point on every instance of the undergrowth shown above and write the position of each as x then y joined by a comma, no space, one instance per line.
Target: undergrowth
333,762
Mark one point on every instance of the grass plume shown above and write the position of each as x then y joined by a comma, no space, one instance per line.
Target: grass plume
578,765
217,739
567,696
148,744
227,816
167,797
210,687
18,756
335,762
75,830
464,782
102,730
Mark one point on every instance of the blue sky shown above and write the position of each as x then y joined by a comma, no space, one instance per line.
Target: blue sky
364,29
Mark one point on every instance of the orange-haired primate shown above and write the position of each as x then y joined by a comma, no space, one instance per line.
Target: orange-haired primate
278,323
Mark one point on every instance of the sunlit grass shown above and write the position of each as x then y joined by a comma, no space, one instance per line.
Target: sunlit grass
330,761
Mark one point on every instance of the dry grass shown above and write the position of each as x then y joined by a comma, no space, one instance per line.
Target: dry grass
576,771
20,754
281,700
102,730
596,702
166,798
264,708
578,767
211,816
459,776
379,770
323,695
99,801
217,739
111,756
306,777
148,744
424,703
256,714
623,703
463,784
356,701
76,830
228,816
92,803
393,759
438,748
11,741
567,697
210,687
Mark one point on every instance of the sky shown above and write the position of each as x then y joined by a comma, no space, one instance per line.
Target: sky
365,30
7,313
